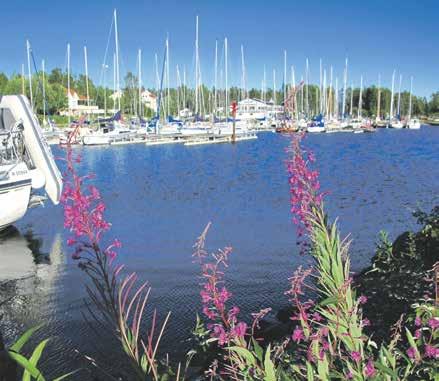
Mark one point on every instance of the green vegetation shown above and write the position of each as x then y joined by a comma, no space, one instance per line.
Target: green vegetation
183,97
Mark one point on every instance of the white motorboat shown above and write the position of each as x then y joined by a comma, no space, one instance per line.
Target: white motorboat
107,134
395,123
314,129
26,161
414,124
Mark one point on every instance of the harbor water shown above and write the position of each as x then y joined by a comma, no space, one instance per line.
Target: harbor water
160,198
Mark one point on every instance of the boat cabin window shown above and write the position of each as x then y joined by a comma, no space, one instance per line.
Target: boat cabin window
7,120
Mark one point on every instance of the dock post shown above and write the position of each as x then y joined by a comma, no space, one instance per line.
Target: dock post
234,106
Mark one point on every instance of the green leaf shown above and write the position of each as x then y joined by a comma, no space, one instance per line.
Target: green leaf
16,347
27,365
412,342
259,352
63,377
330,300
309,372
387,370
35,358
245,353
270,374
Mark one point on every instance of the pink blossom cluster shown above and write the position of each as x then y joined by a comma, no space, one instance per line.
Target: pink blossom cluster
304,185
224,324
84,212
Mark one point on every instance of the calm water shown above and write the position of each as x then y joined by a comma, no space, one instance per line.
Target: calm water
160,198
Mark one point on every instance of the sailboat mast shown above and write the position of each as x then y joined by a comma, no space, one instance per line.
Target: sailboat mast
360,99
68,81
116,41
29,73
274,93
86,77
320,87
264,90
345,80
168,98
336,98
410,99
140,82
379,98
227,84
115,94
178,91
285,76
331,95
399,96
184,86
352,100
391,97
216,77
43,69
196,68
307,87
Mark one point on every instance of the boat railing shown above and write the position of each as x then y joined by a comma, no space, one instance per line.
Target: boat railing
12,144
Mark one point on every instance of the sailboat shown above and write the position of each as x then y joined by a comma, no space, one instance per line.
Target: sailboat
26,161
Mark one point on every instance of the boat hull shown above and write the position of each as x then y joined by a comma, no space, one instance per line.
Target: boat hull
15,189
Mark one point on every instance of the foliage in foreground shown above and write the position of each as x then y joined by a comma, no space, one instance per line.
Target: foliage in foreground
329,340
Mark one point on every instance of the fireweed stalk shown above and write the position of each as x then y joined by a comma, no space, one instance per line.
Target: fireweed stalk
330,333
116,303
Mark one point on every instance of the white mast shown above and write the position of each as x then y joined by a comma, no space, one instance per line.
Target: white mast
168,98
196,68
116,41
86,77
227,90
324,103
345,80
336,98
264,90
157,77
410,99
285,76
399,96
293,78
352,99
391,97
378,117
320,88
216,77
29,73
243,79
307,86
68,80
184,86
115,94
331,96
140,83
178,91
360,99
43,69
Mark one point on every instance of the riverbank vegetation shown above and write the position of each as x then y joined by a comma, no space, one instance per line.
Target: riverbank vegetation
184,97
334,315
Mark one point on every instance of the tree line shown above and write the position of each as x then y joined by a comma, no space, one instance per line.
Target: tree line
176,99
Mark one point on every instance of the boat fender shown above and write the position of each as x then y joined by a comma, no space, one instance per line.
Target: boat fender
38,178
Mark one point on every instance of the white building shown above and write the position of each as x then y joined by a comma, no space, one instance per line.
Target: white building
257,109
78,105
149,99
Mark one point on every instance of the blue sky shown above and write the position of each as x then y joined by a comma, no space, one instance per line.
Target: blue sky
376,36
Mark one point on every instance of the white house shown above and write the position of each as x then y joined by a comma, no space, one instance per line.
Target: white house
78,105
149,99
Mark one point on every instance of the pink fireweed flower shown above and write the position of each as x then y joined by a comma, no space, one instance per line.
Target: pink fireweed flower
362,299
433,323
418,321
356,356
411,353
365,323
215,295
418,334
304,185
369,370
298,335
431,352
